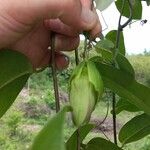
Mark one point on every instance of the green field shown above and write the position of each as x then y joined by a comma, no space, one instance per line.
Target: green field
35,105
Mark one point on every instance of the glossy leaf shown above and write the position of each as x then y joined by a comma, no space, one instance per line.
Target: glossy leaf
106,54
135,129
51,136
105,44
71,144
122,61
122,84
124,65
101,144
103,4
15,70
112,35
136,5
123,104
104,47
96,59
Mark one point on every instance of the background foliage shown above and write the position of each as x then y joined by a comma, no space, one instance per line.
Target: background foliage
35,104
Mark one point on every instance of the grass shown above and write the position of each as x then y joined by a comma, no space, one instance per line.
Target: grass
141,65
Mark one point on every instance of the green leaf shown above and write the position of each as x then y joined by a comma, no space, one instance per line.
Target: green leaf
106,54
121,60
96,59
104,47
105,44
124,65
15,70
51,136
103,4
71,144
135,129
137,8
101,144
123,104
122,84
112,36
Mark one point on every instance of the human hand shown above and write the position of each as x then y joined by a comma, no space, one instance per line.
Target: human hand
26,25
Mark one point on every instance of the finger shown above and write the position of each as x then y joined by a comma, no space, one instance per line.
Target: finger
66,43
86,3
59,27
70,12
61,61
96,31
97,28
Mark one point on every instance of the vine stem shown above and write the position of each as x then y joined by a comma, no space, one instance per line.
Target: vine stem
76,56
54,73
85,48
120,29
114,117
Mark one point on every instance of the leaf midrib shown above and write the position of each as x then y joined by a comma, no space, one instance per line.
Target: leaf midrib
135,133
138,103
12,79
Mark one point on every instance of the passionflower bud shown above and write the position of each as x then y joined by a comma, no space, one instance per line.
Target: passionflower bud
85,89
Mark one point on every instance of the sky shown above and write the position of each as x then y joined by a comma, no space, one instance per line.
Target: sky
137,37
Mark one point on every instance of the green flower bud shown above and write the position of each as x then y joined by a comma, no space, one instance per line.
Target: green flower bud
85,88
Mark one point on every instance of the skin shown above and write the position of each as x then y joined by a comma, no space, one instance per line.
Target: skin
26,26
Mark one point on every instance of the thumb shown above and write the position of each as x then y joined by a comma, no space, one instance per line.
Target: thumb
69,12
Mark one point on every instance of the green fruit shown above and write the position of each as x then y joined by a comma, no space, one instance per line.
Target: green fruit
85,89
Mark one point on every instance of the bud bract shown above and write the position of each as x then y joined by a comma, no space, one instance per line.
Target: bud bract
85,88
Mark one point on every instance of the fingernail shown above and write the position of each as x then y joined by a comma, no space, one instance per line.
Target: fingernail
65,63
88,16
62,62
67,59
